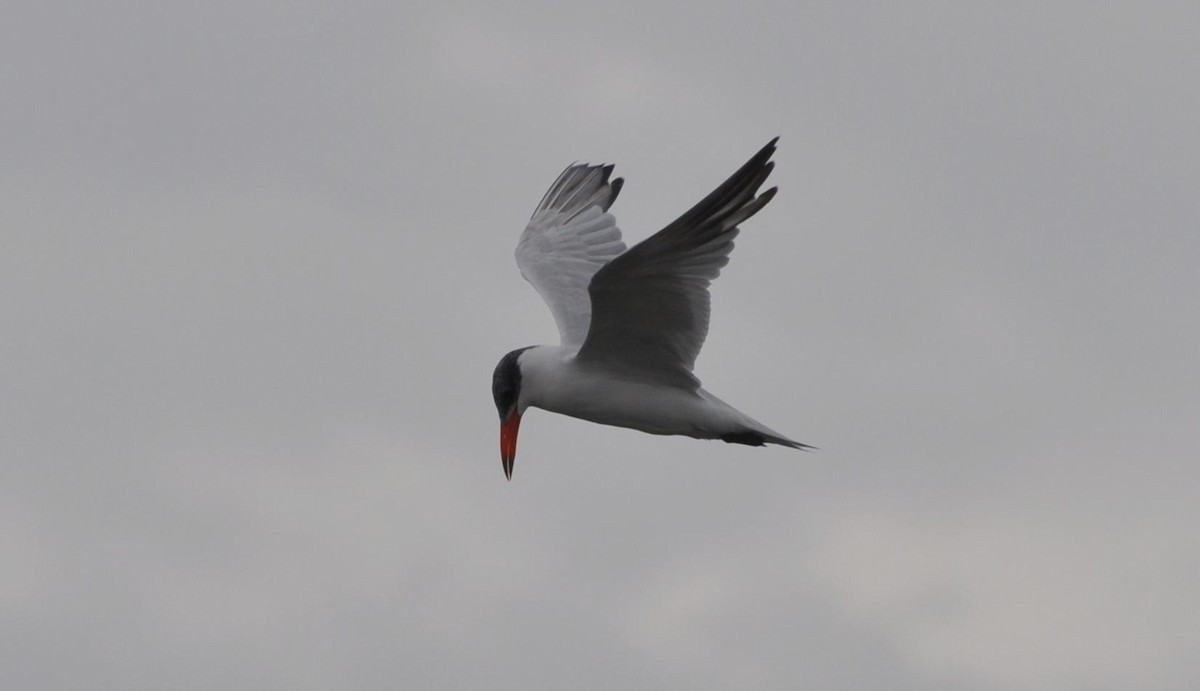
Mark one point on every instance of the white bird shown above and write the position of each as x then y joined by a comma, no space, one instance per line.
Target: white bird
632,321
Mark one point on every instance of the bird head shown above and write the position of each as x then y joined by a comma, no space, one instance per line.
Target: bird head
506,391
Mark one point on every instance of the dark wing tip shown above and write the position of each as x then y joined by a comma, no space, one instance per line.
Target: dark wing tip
579,187
729,204
767,169
766,152
614,188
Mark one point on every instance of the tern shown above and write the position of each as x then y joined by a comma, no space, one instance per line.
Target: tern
631,322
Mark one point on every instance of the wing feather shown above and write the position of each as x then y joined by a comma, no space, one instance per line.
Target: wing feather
568,238
650,306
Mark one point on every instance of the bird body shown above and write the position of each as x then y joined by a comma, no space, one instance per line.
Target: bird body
553,379
631,322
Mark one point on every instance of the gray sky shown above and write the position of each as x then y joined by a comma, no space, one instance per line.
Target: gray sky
257,269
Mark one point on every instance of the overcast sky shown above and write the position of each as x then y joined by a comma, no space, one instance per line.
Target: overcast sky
256,269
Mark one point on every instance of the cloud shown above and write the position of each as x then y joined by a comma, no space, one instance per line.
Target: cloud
1012,597
257,269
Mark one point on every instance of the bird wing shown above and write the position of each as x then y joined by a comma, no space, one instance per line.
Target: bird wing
650,305
568,238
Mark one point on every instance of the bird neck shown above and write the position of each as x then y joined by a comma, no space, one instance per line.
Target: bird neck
542,367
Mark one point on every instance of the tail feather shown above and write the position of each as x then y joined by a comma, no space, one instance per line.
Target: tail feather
752,437
746,430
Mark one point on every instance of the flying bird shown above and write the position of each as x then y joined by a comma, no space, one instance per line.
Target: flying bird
631,322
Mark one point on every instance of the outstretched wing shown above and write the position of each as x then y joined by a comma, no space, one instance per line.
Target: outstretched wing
568,238
650,306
